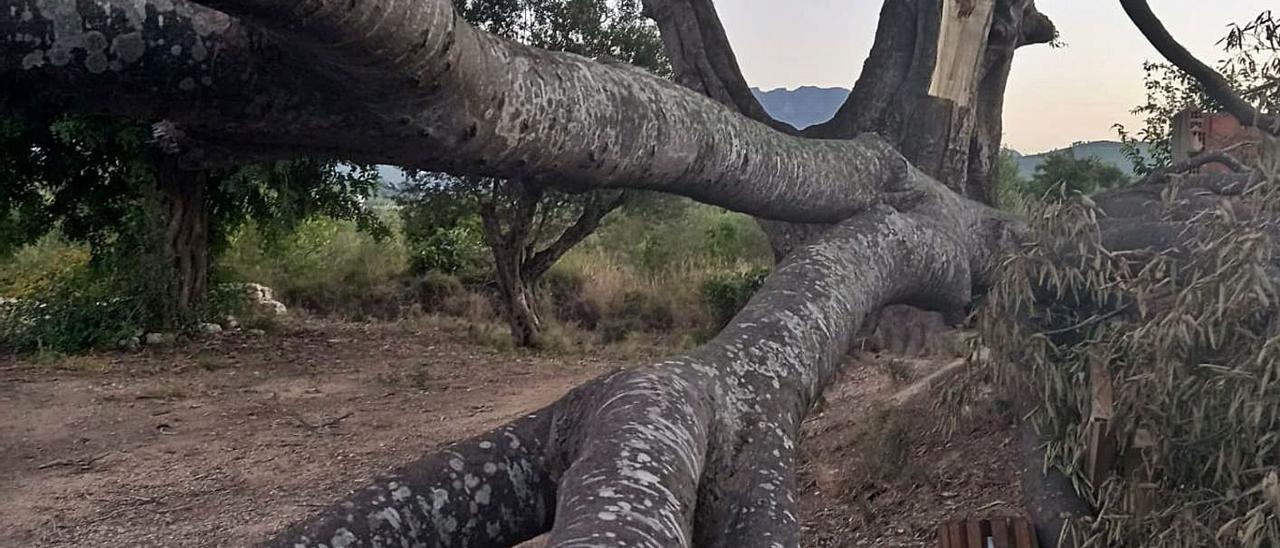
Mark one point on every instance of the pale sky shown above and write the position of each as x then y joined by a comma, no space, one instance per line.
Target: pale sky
1055,96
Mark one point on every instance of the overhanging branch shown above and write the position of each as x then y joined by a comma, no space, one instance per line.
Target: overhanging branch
1214,83
409,83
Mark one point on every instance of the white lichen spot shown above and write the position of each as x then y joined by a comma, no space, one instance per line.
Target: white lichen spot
471,481
128,47
401,493
187,84
486,445
457,464
388,516
439,497
176,50
342,538
33,60
482,494
198,51
607,516
490,468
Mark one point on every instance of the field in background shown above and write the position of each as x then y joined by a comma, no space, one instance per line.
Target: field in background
673,274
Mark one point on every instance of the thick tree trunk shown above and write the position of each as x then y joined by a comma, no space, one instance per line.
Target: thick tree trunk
934,85
186,231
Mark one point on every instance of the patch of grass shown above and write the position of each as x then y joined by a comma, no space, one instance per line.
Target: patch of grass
209,361
329,267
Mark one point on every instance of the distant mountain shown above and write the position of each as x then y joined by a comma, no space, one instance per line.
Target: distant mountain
803,106
1108,152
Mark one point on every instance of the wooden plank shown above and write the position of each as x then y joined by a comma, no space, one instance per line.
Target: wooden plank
957,534
1000,533
1100,442
944,540
1102,401
975,534
1025,536
1139,469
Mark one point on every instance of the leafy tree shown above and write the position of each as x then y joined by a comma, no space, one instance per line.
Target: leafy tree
527,227
151,226
1063,174
1009,181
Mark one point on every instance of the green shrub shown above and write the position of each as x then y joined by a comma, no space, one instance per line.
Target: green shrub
616,330
563,292
733,237
726,294
36,269
452,250
326,266
649,309
80,311
434,288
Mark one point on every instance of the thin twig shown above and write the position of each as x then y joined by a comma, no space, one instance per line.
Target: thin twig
82,462
325,424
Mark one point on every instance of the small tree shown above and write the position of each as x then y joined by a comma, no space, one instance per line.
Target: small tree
526,226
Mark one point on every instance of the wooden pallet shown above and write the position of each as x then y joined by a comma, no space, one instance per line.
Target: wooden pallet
987,533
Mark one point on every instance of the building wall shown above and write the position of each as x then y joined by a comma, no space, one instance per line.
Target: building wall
1195,132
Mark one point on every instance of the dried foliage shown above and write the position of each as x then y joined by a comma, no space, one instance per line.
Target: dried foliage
1189,341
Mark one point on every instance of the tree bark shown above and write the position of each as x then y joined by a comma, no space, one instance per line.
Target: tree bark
409,84
510,248
186,231
941,104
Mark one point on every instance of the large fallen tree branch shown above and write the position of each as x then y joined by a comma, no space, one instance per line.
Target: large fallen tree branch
1198,161
408,83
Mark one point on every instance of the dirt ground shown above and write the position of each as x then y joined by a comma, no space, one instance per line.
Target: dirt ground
223,441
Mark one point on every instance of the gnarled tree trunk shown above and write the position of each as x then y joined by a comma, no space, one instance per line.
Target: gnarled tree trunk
518,263
186,231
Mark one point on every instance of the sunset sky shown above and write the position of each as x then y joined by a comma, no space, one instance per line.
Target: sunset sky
1055,96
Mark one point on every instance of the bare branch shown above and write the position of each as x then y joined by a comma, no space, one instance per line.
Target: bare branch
593,211
1195,162
1214,83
